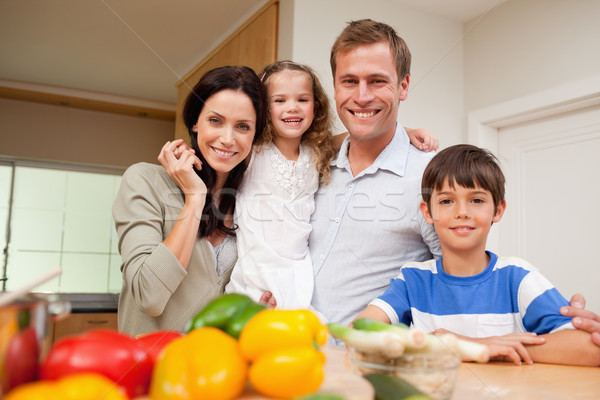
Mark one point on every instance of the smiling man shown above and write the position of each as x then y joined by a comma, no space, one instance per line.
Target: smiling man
367,221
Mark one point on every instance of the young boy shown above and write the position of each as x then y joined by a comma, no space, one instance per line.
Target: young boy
501,302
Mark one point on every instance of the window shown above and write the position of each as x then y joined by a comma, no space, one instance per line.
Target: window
59,217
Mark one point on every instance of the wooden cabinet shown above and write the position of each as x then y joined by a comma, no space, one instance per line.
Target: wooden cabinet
254,44
80,322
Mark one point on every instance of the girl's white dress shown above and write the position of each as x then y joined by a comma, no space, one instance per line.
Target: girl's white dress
273,211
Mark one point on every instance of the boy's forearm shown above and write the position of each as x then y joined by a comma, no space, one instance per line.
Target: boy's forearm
569,347
375,313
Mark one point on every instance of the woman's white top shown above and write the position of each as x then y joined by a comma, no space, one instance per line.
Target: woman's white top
273,211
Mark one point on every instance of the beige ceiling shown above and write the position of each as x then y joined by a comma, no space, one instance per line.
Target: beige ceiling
133,48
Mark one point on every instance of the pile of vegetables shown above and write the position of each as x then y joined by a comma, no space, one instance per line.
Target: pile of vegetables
398,359
275,351
230,342
282,346
97,364
391,341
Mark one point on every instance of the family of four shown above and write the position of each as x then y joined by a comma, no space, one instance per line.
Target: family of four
268,203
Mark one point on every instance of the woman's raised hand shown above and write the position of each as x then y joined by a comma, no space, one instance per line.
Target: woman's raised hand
179,161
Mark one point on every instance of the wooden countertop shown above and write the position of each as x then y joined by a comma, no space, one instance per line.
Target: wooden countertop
498,380
506,381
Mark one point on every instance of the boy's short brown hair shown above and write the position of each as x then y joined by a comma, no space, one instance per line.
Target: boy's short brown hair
465,165
365,32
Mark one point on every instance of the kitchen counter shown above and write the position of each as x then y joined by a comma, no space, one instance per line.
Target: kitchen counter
506,381
502,380
92,302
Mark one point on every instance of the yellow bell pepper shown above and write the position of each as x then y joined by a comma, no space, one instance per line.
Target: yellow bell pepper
80,386
276,329
204,364
283,348
288,373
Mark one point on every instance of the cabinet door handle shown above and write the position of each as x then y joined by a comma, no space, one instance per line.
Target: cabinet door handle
98,322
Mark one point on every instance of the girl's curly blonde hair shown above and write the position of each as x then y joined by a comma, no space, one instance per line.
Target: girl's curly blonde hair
318,136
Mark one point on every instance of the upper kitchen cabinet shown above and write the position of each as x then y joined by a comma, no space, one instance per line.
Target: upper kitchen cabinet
254,44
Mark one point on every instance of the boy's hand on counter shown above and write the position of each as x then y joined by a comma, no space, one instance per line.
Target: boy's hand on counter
511,347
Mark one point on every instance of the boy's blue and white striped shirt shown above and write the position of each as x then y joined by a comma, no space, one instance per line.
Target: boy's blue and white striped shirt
509,296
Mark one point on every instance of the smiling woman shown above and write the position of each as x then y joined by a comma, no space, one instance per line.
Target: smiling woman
174,222
225,131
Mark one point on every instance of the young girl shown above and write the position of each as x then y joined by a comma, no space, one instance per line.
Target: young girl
276,199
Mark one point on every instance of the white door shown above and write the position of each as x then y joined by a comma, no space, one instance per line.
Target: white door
553,199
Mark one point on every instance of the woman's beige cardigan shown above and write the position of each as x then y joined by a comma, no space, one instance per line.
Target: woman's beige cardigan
158,293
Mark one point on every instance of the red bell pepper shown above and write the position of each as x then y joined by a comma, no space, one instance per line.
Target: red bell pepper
155,342
115,355
20,360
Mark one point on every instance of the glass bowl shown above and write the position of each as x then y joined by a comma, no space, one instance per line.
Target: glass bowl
432,373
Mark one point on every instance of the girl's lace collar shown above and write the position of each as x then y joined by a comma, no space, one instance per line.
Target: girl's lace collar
291,177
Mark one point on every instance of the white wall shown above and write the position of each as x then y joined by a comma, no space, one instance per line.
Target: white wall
435,101
526,55
67,134
528,46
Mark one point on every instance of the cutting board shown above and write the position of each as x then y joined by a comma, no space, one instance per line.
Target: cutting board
340,379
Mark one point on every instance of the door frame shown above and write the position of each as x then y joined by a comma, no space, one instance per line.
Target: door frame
483,125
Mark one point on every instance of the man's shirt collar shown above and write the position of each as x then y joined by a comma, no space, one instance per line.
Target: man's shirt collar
393,158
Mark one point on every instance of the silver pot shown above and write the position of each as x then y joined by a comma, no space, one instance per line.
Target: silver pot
25,336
